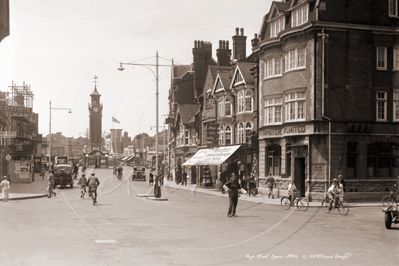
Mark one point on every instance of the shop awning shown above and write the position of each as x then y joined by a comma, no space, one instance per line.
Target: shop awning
215,156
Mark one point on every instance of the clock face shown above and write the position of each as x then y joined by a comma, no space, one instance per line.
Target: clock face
95,109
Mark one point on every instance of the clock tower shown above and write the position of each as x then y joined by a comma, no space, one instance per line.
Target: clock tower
95,114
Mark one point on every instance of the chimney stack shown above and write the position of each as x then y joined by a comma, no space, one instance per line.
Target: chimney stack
255,42
239,45
202,57
223,53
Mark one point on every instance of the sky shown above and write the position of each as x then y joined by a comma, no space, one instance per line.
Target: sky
58,47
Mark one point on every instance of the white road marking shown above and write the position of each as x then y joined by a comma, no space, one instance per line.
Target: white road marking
106,241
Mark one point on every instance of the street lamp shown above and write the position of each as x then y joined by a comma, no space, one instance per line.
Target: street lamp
52,108
156,94
163,142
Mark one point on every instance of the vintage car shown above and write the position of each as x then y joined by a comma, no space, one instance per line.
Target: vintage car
68,179
138,172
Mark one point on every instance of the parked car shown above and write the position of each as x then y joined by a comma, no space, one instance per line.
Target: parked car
68,179
138,173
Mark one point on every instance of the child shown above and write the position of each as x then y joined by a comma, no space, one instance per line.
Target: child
82,182
5,185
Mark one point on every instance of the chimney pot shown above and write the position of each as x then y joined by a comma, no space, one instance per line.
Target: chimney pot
220,44
227,45
237,30
242,31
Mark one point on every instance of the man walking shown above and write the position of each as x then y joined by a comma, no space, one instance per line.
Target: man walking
50,187
184,183
232,187
270,183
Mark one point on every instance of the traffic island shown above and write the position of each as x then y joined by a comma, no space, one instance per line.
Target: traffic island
144,195
154,198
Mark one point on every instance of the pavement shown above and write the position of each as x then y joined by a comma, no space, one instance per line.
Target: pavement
38,188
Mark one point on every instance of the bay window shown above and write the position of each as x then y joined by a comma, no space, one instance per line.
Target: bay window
295,106
273,111
228,135
299,15
249,101
295,59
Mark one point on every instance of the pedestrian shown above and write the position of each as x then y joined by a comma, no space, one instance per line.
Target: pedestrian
50,186
151,180
5,188
270,183
83,168
43,172
62,177
251,185
184,182
157,187
233,188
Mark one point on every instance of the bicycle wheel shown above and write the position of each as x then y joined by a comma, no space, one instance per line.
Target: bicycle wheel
343,208
325,203
387,201
302,204
285,203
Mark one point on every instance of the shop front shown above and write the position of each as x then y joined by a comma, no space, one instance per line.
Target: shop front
214,165
284,154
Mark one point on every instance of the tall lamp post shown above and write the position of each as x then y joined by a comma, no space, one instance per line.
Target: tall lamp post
53,108
156,94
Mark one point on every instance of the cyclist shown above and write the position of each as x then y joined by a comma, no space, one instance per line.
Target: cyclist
82,182
292,191
333,194
93,183
115,171
120,172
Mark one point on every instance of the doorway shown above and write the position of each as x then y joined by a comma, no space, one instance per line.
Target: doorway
300,175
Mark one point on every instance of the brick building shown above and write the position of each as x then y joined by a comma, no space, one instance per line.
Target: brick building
329,95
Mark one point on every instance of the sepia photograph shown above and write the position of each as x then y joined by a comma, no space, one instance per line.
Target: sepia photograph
199,132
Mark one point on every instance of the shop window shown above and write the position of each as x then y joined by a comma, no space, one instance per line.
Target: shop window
352,159
382,160
273,160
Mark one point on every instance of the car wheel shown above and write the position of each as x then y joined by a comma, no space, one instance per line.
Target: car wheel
388,220
71,185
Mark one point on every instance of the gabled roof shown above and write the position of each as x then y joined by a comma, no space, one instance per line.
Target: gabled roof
211,77
295,3
278,7
242,71
222,78
187,111
180,70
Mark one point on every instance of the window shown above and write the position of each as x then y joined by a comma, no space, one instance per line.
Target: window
274,160
272,67
295,59
381,58
299,15
352,159
209,101
248,130
382,160
240,133
393,8
221,135
295,106
240,102
273,111
396,58
396,105
228,135
186,136
248,101
220,106
381,106
276,26
228,106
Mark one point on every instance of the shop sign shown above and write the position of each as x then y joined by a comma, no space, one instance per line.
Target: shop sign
8,157
286,131
22,168
8,134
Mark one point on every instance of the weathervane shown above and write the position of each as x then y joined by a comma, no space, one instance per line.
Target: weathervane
95,80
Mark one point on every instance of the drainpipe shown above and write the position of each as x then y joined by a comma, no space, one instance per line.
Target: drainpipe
323,36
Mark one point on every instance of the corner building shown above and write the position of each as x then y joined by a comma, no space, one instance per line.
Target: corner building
329,96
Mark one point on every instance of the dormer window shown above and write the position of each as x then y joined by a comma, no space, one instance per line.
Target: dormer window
300,15
276,25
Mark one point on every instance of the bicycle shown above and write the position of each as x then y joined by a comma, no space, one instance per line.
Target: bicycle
92,195
82,192
300,202
119,177
390,199
342,206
